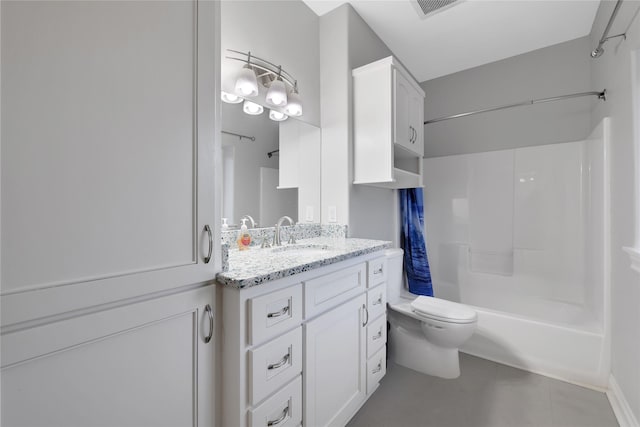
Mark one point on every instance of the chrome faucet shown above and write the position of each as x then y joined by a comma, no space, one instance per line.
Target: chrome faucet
251,221
276,236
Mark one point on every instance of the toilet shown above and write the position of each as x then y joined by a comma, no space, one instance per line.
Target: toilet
425,332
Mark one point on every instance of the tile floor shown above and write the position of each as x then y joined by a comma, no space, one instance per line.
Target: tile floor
486,394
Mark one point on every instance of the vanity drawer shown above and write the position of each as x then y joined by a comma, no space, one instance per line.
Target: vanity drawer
376,369
274,313
285,405
274,364
376,271
328,291
377,301
376,335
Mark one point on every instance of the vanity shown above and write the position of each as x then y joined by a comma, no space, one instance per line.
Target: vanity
303,332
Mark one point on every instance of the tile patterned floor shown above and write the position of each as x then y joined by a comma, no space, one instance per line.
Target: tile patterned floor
486,394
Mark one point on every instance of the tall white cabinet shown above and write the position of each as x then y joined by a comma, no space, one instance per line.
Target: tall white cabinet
108,210
388,117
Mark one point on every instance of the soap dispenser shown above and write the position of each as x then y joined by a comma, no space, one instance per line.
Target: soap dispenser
244,238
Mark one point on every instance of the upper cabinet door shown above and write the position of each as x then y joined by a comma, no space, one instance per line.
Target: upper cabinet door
401,118
407,115
109,126
416,119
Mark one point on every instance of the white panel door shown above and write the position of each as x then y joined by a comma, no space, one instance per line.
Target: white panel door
334,365
145,364
108,131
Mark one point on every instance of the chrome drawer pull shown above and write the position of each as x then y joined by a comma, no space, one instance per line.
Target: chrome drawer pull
282,312
378,271
377,336
378,301
284,415
377,369
281,363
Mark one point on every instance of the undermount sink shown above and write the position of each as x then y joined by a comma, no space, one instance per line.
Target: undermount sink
301,249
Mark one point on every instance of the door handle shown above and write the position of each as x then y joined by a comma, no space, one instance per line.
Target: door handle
209,311
208,257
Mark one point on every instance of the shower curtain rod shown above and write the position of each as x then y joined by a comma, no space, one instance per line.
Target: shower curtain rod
601,95
252,138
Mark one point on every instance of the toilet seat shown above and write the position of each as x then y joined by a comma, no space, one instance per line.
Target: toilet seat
442,310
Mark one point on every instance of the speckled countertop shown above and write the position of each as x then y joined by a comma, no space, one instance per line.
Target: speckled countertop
257,266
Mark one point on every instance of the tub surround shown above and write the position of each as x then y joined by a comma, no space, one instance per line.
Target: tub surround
258,266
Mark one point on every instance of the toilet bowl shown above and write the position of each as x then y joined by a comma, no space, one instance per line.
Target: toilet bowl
425,332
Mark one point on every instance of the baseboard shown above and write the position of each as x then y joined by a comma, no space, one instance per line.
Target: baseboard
620,406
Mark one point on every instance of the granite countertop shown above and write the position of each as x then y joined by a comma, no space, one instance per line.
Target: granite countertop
257,266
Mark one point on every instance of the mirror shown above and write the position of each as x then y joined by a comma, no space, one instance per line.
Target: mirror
247,26
270,169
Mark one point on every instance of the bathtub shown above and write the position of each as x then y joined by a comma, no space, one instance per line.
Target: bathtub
574,353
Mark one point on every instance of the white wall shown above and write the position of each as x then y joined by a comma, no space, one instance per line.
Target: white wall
370,212
613,71
548,72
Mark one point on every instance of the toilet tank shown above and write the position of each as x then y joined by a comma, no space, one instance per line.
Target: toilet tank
395,277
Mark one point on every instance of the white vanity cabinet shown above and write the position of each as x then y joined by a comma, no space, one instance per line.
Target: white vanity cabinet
308,348
388,125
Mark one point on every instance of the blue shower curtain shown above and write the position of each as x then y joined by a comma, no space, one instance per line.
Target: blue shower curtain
412,241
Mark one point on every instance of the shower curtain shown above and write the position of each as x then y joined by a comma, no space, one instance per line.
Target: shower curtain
412,240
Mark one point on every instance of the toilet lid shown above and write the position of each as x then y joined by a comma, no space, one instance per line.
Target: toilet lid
444,310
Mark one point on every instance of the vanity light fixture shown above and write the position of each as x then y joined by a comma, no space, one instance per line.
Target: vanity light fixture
252,108
281,88
277,116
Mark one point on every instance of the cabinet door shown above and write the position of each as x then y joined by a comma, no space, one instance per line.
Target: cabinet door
402,123
145,364
407,114
107,151
416,111
335,364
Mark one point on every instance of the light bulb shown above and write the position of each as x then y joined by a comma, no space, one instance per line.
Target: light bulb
230,98
252,108
277,94
294,106
277,116
246,83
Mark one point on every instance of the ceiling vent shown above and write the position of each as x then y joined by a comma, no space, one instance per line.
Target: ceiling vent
427,8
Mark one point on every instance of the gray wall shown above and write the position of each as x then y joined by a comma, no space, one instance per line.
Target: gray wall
370,212
283,32
548,72
613,71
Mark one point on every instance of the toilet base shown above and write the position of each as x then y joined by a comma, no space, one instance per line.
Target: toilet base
413,351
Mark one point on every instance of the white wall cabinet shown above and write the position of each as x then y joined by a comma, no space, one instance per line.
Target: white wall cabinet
388,126
144,364
296,349
108,138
